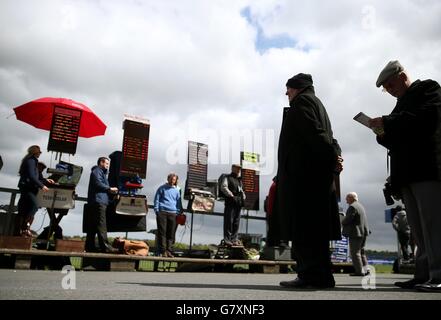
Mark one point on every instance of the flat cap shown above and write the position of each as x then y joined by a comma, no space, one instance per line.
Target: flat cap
392,68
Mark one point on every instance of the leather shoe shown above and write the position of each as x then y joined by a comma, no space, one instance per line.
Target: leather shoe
110,250
303,284
429,286
91,250
409,284
227,243
169,254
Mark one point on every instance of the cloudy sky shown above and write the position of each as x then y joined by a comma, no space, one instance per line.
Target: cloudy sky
212,72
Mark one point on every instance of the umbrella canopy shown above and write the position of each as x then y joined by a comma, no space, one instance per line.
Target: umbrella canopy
39,113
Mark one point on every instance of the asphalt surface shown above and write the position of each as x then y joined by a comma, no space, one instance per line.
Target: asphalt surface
87,285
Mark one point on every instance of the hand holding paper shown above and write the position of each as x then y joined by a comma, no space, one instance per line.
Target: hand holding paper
363,119
378,131
375,124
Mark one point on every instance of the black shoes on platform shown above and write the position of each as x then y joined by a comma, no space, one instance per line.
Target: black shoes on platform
429,286
421,285
167,254
409,284
110,250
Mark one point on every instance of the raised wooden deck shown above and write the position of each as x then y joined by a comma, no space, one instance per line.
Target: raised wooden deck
120,259
120,262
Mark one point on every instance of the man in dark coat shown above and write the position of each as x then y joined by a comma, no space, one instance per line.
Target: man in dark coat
306,209
232,190
97,200
412,134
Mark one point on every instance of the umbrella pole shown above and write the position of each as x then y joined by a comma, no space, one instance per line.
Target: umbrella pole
51,218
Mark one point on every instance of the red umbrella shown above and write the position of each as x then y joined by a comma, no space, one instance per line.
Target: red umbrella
38,113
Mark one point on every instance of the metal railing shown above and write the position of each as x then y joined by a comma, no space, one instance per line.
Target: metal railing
7,221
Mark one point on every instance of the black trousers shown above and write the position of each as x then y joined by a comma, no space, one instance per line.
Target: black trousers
404,239
97,226
231,222
27,207
314,261
166,223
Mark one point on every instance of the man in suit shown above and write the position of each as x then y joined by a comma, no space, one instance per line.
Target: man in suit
355,227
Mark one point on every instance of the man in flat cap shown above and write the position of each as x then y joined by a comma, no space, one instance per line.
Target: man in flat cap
412,134
306,209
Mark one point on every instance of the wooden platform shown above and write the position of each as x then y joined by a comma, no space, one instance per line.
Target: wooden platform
115,262
21,259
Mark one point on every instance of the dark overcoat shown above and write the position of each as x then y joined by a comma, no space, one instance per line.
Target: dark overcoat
306,207
413,135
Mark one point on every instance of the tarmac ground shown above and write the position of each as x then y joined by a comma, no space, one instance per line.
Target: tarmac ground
95,285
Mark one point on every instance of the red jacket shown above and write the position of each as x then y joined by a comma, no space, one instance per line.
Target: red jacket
271,197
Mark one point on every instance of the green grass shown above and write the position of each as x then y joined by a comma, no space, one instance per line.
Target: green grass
76,262
162,266
171,266
383,268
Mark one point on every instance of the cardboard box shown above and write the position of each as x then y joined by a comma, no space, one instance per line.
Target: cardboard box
10,242
69,245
